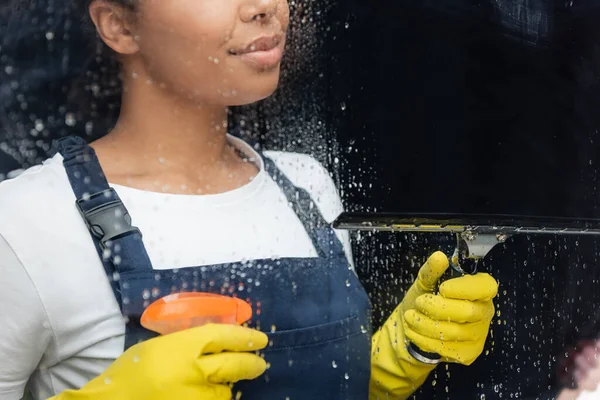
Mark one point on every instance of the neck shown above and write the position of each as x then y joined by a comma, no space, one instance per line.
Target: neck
165,143
157,124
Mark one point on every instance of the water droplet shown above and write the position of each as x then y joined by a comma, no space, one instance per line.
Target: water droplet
346,376
136,359
343,106
273,328
106,254
347,283
70,119
107,381
146,294
334,364
363,329
49,35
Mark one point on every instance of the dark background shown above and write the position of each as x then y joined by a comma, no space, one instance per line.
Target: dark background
472,106
446,105
478,107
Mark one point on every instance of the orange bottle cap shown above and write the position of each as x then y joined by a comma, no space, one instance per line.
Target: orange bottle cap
180,311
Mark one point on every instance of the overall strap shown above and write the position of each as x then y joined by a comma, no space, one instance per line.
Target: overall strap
118,243
303,206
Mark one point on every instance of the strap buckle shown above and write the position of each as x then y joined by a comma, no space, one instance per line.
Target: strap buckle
109,219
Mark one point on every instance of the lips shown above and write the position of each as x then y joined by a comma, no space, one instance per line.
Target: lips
263,53
264,43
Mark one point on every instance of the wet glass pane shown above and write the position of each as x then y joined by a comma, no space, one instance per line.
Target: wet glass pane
486,107
462,112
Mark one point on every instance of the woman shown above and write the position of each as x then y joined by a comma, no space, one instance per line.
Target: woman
216,217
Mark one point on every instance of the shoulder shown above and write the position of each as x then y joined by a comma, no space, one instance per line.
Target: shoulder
309,174
34,187
35,201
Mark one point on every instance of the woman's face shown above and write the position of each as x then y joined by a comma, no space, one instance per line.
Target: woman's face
213,51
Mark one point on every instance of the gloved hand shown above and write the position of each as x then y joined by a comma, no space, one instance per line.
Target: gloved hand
193,364
453,323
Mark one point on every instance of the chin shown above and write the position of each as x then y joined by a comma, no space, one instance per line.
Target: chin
260,91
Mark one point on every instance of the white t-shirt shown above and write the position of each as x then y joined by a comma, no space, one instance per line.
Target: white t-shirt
60,324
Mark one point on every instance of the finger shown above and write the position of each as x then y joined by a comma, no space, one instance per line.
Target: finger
431,272
482,287
424,343
443,309
231,367
217,392
194,390
236,338
450,353
440,330
215,338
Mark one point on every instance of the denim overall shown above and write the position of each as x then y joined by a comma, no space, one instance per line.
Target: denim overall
314,310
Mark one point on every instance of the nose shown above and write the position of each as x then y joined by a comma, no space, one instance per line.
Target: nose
259,10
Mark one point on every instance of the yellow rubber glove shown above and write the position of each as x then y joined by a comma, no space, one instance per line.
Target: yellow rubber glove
453,323
193,364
